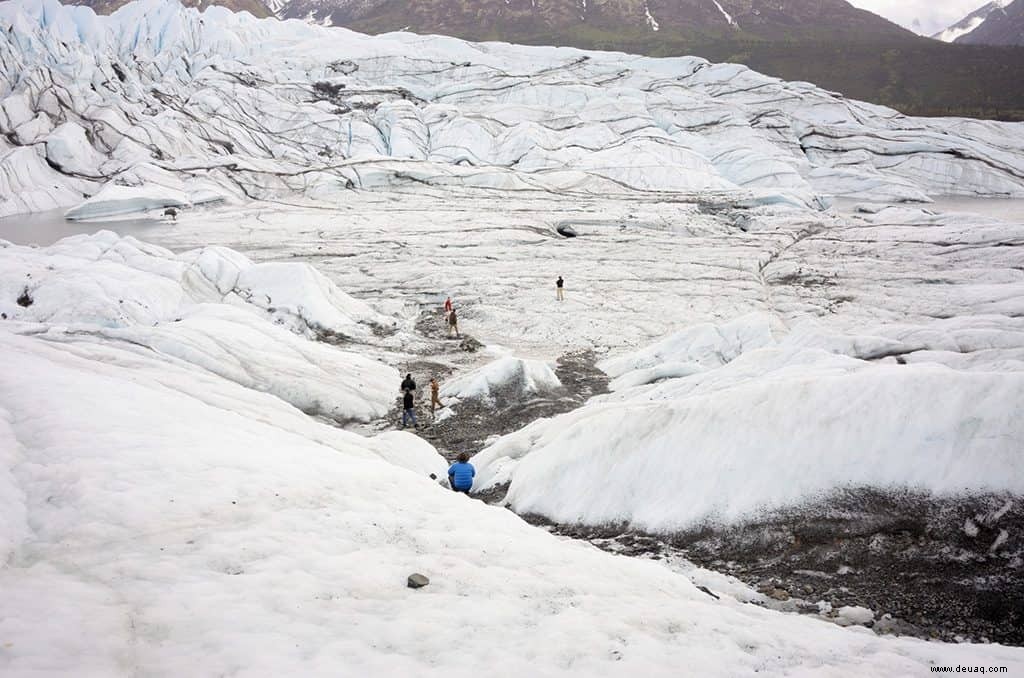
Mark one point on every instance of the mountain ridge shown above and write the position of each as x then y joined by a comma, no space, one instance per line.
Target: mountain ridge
1003,26
955,31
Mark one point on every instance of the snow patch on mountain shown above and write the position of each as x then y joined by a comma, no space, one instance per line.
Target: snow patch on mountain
651,23
970,22
728,17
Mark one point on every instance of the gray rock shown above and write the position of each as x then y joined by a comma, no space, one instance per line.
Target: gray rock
417,581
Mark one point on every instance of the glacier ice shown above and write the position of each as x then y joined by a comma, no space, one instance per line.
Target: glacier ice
246,108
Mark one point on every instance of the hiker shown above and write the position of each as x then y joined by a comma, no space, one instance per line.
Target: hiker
408,410
447,307
435,400
559,284
408,384
453,323
460,474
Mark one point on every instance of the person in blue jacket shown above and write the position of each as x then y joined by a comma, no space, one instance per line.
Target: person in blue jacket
460,474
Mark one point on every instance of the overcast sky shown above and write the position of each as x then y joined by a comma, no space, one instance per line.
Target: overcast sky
934,15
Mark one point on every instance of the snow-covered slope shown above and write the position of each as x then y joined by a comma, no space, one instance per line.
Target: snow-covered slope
725,424
1003,26
212,309
162,520
160,105
969,22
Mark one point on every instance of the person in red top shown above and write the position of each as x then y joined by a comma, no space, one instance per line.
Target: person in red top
447,309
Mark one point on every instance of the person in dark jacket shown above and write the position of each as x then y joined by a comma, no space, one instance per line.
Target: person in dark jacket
408,410
461,473
408,384
453,323
559,285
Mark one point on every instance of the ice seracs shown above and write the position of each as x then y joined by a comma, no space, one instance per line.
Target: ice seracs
167,106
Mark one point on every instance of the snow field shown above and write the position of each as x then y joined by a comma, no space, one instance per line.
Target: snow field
183,524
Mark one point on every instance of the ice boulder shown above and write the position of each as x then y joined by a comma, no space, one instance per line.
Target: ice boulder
113,200
502,379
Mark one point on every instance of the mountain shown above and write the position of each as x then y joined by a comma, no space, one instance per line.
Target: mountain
254,7
1003,26
969,22
573,21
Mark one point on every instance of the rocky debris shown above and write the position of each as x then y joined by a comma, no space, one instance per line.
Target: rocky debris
906,559
418,581
25,299
474,421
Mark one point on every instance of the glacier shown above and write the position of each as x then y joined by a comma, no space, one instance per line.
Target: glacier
197,467
158,105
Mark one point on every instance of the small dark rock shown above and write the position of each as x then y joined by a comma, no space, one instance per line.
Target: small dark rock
417,581
706,590
566,231
25,300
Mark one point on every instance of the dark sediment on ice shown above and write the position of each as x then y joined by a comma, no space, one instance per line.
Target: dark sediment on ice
476,420
949,569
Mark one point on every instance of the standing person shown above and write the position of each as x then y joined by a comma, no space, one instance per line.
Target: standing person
435,400
559,284
408,384
408,410
447,307
453,323
460,474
